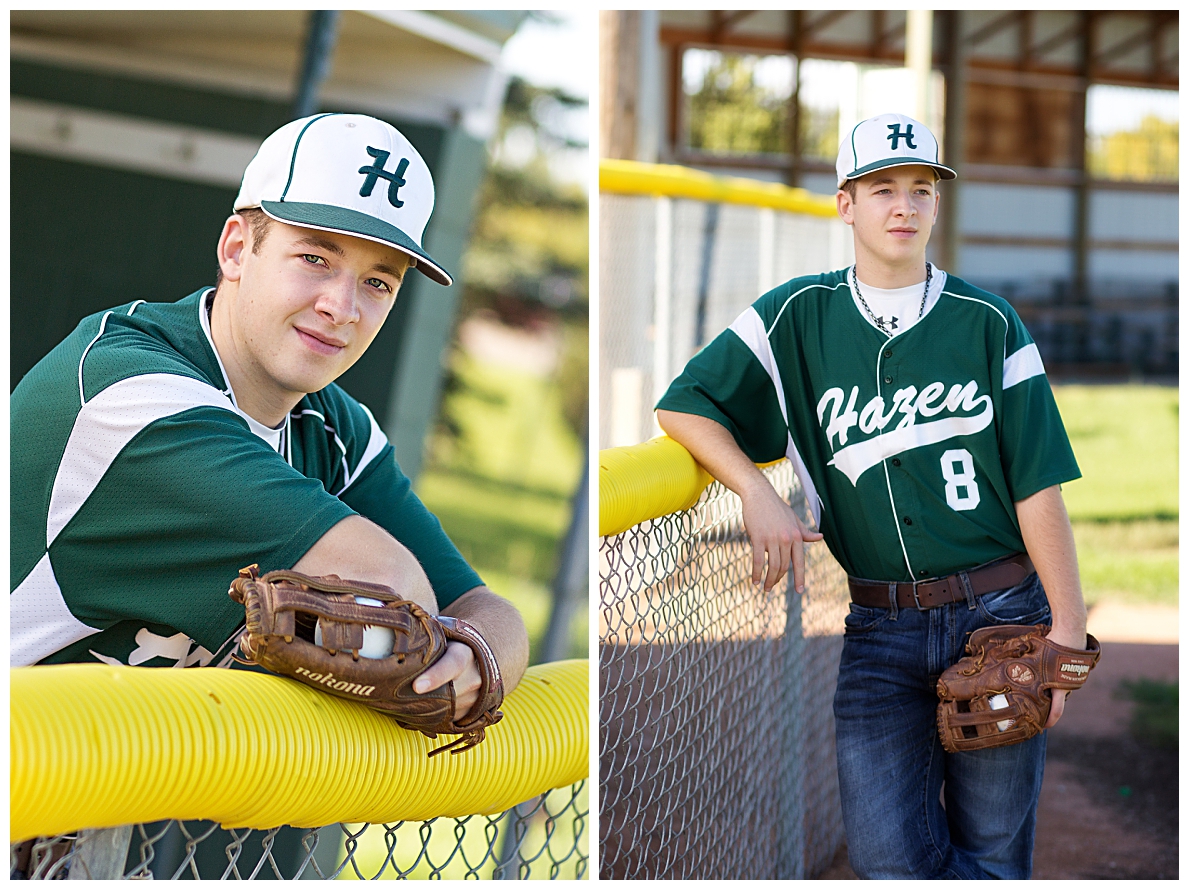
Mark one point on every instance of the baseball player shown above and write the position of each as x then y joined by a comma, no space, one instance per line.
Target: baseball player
917,414
162,447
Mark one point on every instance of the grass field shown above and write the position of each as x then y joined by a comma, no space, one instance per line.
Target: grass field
502,488
1125,506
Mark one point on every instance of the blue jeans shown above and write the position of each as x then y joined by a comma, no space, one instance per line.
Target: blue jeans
892,768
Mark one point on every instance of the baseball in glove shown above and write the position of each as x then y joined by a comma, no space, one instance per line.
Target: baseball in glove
999,693
313,628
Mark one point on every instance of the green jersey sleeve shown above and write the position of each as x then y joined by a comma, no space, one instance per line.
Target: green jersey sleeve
338,439
726,383
1033,444
385,496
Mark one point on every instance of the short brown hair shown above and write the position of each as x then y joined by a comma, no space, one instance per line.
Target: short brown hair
259,224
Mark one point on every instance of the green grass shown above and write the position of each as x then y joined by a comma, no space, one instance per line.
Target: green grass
502,489
1133,562
1124,508
1125,440
1156,719
512,429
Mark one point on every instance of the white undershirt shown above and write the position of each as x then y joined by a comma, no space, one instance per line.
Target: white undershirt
898,307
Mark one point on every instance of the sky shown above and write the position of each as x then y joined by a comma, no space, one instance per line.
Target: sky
562,54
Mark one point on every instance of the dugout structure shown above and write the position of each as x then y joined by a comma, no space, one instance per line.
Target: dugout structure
208,773
716,734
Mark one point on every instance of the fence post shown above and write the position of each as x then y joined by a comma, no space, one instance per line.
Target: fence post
662,304
790,863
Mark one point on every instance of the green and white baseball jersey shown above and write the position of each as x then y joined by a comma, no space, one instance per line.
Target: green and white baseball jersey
912,448
139,489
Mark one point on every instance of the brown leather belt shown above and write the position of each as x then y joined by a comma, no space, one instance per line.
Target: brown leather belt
998,575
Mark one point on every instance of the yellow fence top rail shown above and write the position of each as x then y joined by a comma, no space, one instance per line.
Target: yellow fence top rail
636,178
93,746
645,481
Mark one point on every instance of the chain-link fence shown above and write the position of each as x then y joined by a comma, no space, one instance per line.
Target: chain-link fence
673,273
716,731
545,837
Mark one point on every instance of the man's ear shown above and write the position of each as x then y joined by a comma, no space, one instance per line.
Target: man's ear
233,247
845,206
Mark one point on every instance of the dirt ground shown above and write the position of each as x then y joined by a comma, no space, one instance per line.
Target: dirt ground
1109,804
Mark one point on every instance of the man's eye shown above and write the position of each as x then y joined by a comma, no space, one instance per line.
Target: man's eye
312,258
377,283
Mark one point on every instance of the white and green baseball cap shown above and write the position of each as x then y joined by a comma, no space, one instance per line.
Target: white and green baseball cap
346,173
888,140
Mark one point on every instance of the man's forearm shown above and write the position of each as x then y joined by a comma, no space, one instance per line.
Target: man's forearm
1048,538
713,446
777,534
501,625
358,549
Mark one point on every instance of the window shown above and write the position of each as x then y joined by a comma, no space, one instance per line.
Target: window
1132,134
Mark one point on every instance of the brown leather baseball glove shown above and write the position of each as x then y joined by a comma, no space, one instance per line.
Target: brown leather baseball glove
286,612
999,693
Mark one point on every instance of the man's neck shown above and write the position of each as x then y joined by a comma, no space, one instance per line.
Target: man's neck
888,276
257,401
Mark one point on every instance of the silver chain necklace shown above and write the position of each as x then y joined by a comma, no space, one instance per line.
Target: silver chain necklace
879,322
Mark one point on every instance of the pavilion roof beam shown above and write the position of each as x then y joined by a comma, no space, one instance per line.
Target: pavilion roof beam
721,21
993,27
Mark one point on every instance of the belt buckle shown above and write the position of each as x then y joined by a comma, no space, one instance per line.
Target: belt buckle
915,597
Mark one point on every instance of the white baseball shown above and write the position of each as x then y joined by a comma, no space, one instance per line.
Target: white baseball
377,641
998,702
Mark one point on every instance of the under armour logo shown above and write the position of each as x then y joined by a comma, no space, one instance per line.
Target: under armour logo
892,324
895,136
376,171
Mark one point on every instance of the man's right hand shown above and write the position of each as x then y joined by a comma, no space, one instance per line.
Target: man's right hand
777,535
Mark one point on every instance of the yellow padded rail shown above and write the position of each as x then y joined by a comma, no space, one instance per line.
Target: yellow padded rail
636,178
94,746
645,481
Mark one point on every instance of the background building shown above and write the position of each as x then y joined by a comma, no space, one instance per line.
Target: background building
1062,125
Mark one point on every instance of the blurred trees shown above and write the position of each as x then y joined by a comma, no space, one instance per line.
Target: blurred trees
1146,154
732,113
733,110
527,262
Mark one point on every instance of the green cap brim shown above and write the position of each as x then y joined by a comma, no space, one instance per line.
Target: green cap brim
328,218
943,171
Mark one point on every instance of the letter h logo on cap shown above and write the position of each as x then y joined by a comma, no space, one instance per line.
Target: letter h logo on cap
376,171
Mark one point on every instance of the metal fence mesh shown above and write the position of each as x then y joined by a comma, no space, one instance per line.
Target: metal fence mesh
545,838
716,751
673,273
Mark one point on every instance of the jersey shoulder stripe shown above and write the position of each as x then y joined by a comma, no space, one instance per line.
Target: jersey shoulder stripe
107,423
357,436
1022,365
146,338
749,328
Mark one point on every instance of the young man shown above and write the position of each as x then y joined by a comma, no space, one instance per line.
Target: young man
163,446
916,411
